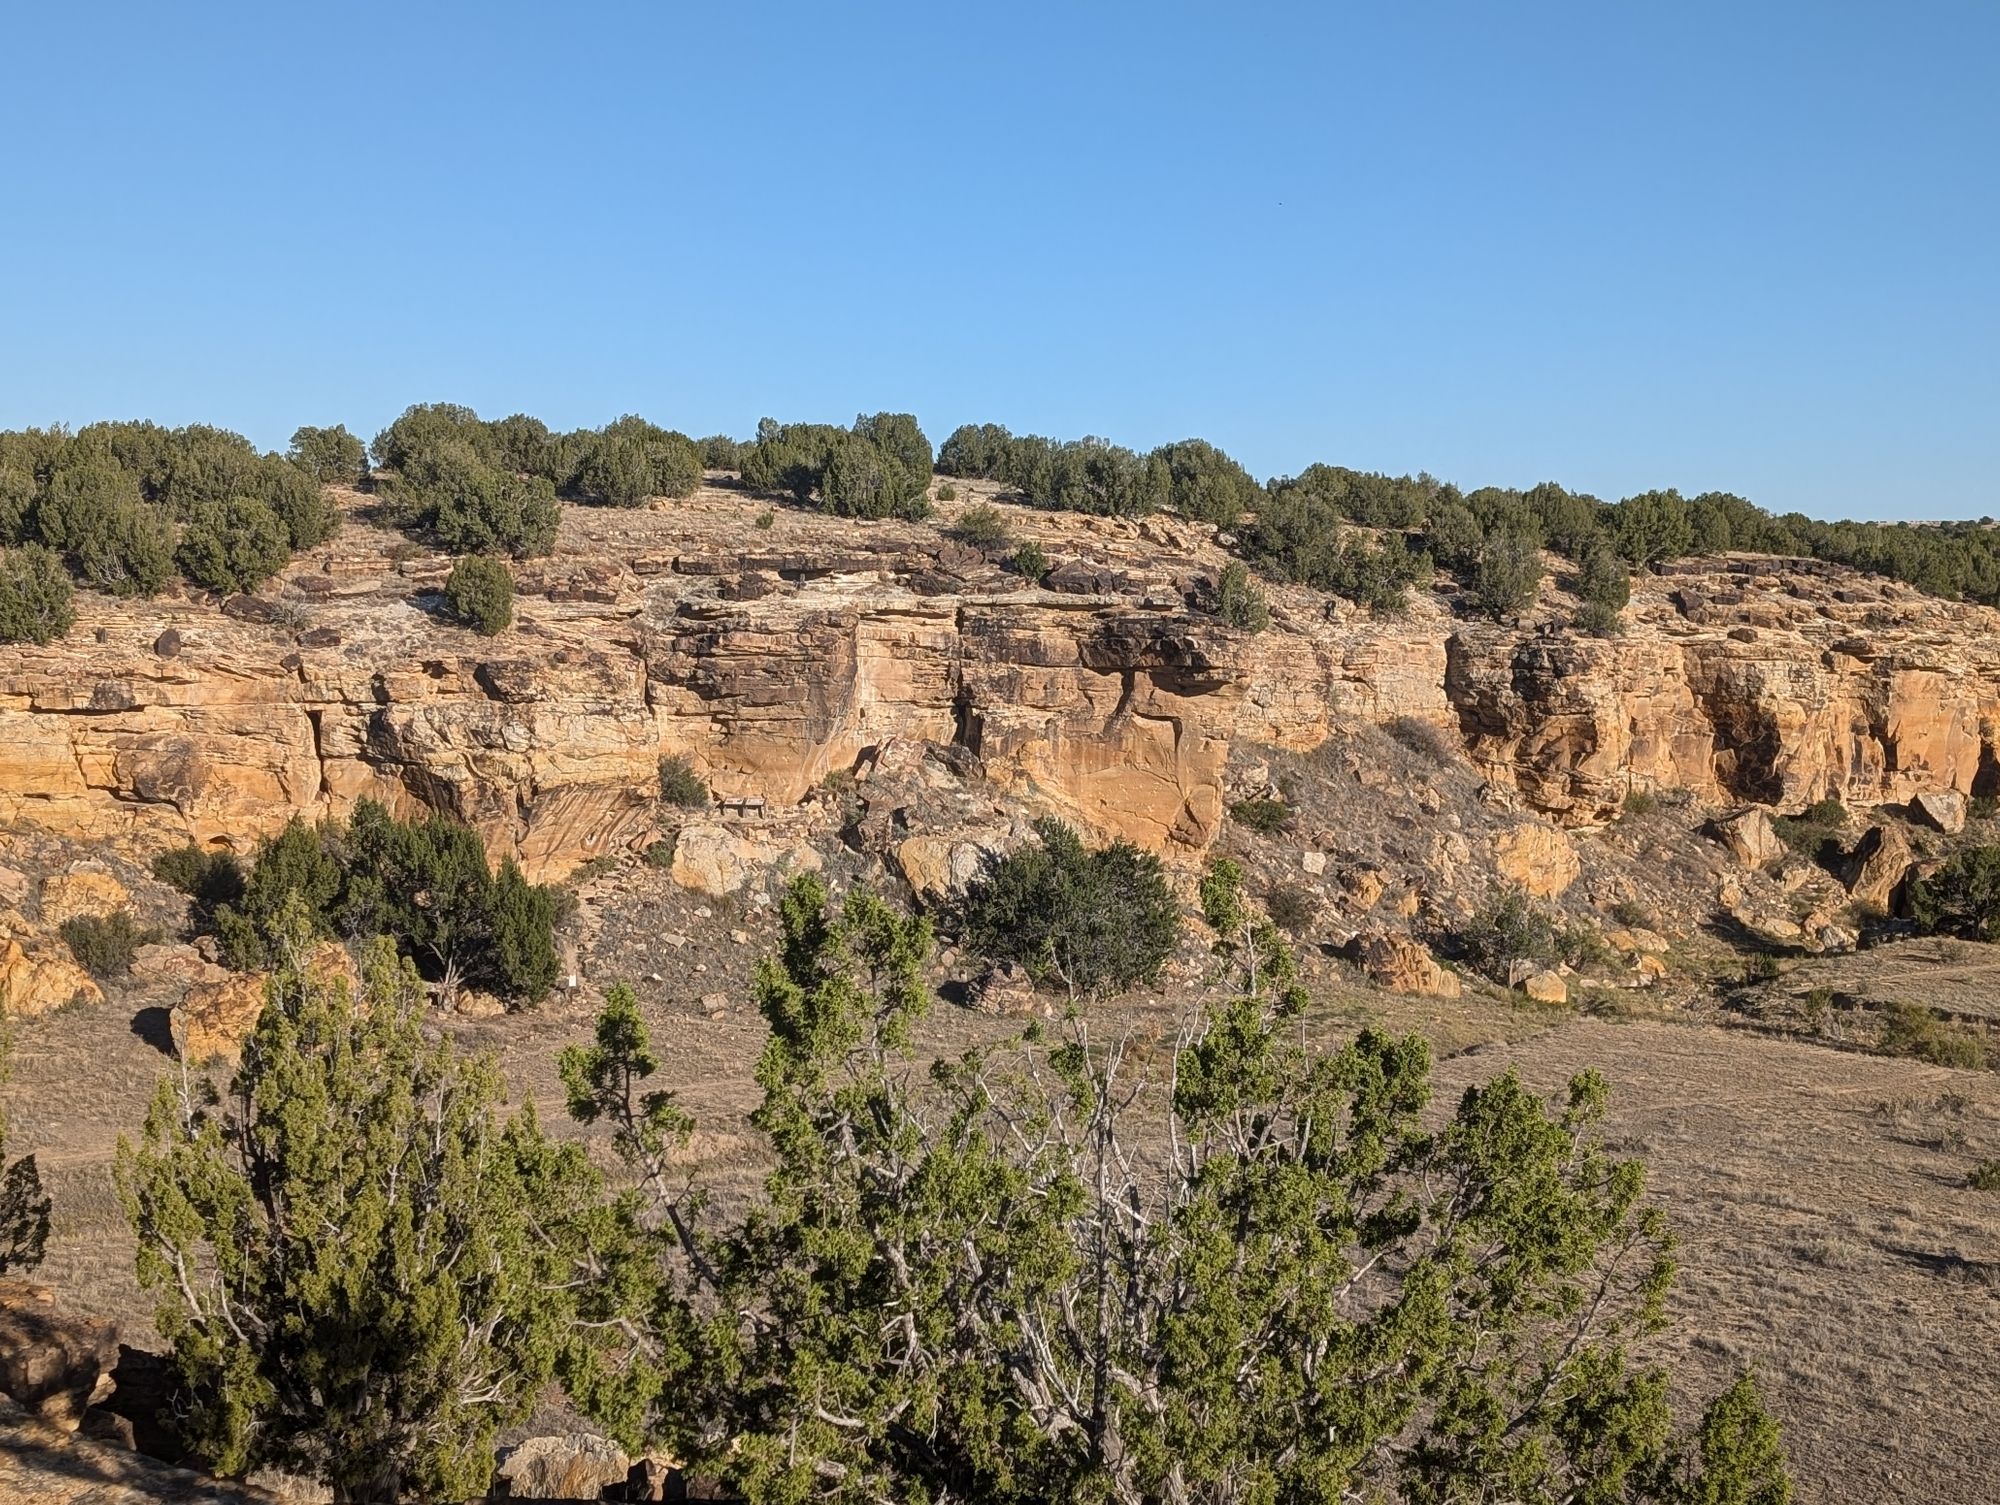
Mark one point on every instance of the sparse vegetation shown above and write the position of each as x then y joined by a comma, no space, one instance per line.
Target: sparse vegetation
104,945
1985,1177
210,879
1262,815
681,785
1030,563
1078,920
1292,908
1809,831
1640,803
479,593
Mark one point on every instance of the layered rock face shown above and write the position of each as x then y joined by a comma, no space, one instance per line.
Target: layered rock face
774,658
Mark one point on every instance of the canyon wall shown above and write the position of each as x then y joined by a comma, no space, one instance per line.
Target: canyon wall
775,658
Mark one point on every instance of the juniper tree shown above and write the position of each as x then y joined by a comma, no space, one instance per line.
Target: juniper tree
362,1271
1049,1272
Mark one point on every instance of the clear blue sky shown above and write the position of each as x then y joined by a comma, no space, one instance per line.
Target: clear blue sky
1748,246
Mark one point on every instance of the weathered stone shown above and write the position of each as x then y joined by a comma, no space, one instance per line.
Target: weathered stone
1943,808
576,1466
54,1364
1751,838
86,889
213,1019
1544,986
39,979
45,1465
1539,858
1876,868
713,859
1405,965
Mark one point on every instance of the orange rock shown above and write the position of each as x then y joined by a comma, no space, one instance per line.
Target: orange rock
1405,965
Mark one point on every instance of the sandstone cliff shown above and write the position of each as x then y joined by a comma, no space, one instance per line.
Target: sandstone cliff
774,657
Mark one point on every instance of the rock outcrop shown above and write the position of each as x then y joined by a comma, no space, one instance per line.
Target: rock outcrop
1113,699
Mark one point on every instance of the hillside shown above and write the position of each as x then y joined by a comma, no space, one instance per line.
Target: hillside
887,703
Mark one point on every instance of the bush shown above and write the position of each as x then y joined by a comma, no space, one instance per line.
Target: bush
1640,802
681,785
1030,563
1508,576
476,511
982,526
1985,1176
1511,927
331,456
1961,898
35,596
104,945
1421,737
24,1205
1261,815
1291,907
765,519
1080,920
1810,830
425,883
479,592
1238,601
1911,1029
210,879
1204,483
720,452
233,545
389,1268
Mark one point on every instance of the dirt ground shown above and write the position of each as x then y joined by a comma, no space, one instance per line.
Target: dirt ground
1826,1233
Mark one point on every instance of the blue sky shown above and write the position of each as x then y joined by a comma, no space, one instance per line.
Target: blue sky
1744,246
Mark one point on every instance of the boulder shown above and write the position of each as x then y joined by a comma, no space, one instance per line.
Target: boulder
213,1019
1544,986
86,889
38,981
1537,857
53,1364
1751,838
711,858
1405,965
1313,862
1004,988
1942,808
45,1465
1876,868
574,1466
937,868
1363,887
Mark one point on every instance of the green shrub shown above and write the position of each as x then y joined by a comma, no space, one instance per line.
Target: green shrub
1961,898
331,456
982,526
1810,830
232,545
1076,919
947,492
1204,483
1641,802
1911,1029
35,596
1261,815
1030,563
1630,912
766,518
104,945
1983,807
210,879
661,853
1238,601
426,883
681,785
479,592
1511,927
477,511
1985,1176
1508,576
720,452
